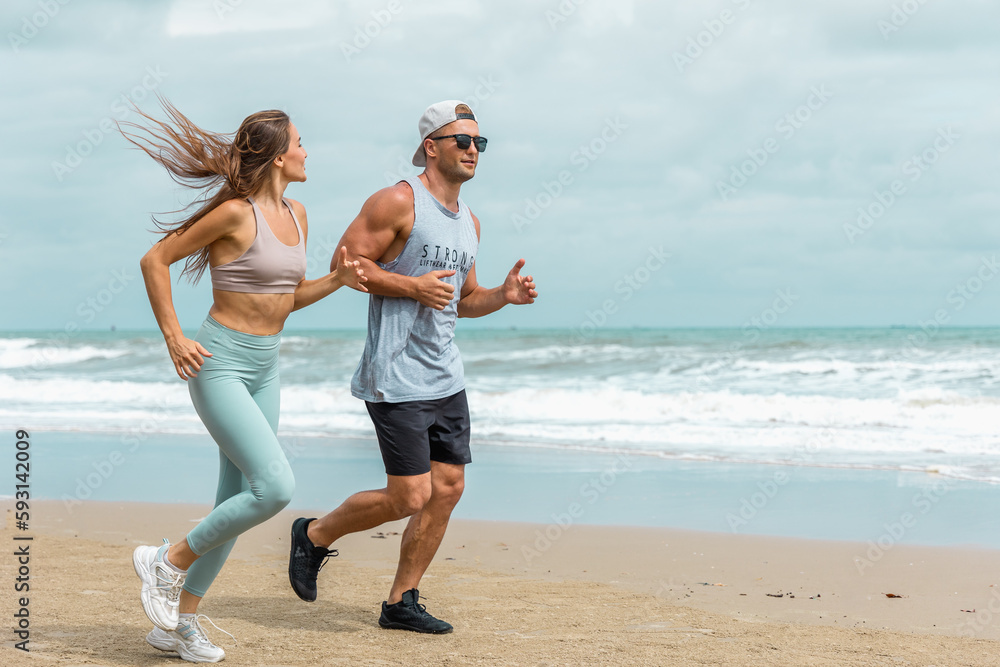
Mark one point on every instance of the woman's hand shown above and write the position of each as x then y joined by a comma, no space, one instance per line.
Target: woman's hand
350,274
188,356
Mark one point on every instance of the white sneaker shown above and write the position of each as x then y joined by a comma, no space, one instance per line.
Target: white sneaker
189,641
161,585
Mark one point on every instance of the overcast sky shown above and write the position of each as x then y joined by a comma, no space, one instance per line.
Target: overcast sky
656,164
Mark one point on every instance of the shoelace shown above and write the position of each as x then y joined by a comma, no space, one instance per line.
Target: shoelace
330,553
174,593
170,579
418,606
200,631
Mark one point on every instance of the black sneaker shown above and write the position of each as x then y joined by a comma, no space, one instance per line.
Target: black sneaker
305,561
408,615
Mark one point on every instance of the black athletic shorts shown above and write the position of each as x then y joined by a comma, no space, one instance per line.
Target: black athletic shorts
414,433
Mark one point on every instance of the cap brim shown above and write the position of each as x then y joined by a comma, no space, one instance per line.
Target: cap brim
420,157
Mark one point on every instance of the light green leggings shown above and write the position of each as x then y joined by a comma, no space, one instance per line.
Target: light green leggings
236,394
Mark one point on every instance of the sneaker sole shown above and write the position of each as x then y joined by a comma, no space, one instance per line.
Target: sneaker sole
171,646
144,599
399,626
167,647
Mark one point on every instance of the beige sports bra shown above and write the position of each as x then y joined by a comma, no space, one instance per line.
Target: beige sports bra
268,266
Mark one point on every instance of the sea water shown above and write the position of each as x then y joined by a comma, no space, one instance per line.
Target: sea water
892,399
824,433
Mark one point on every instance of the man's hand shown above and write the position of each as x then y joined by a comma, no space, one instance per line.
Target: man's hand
518,289
433,292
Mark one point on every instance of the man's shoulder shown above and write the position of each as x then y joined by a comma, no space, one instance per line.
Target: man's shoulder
398,196
391,206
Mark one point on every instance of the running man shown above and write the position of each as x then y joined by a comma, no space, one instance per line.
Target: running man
417,243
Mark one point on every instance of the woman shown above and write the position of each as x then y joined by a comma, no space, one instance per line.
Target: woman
253,242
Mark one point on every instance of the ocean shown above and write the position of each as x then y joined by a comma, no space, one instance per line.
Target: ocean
888,399
819,433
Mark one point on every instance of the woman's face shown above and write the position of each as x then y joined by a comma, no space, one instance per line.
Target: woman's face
294,160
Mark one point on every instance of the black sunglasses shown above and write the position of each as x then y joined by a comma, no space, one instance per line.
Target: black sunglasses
463,141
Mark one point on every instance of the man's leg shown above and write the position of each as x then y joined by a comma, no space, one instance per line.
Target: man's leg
402,430
426,528
402,497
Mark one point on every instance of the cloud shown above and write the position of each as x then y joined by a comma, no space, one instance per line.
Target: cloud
198,17
356,78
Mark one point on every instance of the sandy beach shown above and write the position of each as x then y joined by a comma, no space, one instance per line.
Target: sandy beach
518,594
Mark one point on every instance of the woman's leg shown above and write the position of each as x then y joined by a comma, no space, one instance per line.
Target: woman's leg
231,482
203,571
236,394
245,436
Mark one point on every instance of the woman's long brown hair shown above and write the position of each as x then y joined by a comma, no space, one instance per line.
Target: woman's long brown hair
220,166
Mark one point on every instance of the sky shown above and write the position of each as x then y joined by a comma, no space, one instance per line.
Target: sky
656,164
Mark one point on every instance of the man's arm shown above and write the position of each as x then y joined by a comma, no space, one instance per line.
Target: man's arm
477,300
382,227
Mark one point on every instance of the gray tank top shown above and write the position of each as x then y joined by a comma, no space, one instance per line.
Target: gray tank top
410,353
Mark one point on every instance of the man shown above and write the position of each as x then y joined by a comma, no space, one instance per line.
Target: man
417,242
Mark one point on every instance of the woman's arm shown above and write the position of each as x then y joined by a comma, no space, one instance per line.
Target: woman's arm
186,354
347,273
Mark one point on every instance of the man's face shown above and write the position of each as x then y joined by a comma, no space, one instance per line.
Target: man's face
454,163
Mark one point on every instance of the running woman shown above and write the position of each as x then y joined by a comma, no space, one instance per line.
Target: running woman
417,242
253,241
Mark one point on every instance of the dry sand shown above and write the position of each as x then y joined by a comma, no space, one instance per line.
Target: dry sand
594,595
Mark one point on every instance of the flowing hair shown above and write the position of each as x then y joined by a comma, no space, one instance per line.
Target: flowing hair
220,166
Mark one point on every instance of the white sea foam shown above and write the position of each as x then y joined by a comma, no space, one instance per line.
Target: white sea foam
859,399
914,420
34,353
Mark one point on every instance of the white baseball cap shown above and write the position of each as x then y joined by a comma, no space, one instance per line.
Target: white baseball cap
435,117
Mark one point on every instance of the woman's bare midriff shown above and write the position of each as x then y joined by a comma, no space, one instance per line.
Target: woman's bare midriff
258,314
